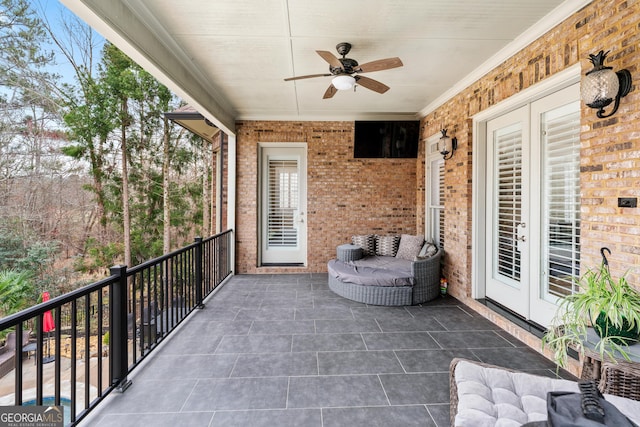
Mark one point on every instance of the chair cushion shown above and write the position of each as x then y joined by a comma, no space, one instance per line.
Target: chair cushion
497,397
369,274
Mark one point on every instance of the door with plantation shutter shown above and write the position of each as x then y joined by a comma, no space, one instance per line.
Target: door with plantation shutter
533,205
557,128
283,206
508,211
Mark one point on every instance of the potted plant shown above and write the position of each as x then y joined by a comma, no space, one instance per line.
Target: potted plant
610,306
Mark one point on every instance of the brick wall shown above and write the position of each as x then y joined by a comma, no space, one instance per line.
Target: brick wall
345,195
610,153
349,195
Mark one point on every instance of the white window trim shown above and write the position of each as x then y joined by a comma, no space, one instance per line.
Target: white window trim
429,157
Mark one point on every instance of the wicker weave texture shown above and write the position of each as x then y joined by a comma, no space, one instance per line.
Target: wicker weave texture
621,379
374,295
426,274
349,252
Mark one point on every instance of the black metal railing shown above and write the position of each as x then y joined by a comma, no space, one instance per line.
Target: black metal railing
104,330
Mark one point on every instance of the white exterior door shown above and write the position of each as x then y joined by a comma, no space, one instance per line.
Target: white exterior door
283,205
508,211
533,205
556,233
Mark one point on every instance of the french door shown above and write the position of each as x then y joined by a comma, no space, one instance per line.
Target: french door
533,205
283,237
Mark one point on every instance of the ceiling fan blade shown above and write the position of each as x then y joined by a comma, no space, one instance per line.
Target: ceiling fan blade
371,84
330,58
379,65
306,77
331,90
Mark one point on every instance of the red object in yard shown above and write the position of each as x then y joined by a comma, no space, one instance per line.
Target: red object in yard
48,324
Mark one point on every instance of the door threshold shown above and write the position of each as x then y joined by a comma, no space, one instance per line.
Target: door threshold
514,317
283,264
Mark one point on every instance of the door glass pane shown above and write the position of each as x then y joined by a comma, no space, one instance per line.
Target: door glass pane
560,200
508,201
282,203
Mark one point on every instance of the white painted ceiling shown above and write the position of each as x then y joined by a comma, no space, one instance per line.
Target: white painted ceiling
240,51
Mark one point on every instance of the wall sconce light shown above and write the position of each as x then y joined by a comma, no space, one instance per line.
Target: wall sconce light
601,86
446,145
343,82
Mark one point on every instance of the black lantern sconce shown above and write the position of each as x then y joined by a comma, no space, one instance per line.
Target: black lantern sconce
446,145
601,86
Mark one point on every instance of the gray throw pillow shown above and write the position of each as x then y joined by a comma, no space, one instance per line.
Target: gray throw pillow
428,250
409,247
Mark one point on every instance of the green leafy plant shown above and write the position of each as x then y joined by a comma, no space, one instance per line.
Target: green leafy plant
616,305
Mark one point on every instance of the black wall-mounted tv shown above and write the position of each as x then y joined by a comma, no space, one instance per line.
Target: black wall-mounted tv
380,139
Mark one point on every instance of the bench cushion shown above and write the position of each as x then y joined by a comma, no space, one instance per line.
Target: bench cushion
373,271
489,397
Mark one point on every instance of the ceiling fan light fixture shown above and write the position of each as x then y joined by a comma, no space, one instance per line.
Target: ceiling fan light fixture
343,82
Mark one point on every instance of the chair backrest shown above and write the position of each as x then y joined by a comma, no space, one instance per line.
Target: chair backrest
11,339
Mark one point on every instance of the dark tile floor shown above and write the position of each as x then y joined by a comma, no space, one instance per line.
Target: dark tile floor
283,350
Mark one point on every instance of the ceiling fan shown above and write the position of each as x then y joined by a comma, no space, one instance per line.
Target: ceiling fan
346,71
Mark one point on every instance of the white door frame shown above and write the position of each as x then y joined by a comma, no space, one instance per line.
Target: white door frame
302,243
552,84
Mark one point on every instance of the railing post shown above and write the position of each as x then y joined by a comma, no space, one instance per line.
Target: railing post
198,268
118,345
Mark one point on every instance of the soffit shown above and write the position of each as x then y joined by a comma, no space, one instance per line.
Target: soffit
239,52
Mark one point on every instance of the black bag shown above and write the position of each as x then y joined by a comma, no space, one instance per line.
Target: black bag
585,409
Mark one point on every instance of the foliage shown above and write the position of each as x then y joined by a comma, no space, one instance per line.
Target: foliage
11,249
15,291
31,256
98,257
599,293
107,138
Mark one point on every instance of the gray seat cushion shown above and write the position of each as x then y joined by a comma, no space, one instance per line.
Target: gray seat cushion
373,271
497,397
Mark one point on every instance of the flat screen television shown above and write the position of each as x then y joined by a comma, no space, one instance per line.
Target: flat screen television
380,139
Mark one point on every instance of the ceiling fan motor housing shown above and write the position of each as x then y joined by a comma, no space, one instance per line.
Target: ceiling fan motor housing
348,66
345,71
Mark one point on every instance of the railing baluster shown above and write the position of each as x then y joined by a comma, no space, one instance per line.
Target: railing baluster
58,360
99,334
18,374
74,357
87,350
168,289
40,356
118,337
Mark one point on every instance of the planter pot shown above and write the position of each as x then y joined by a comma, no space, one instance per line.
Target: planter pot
627,336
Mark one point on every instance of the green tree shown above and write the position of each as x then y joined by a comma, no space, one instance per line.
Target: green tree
15,291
